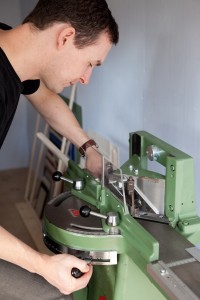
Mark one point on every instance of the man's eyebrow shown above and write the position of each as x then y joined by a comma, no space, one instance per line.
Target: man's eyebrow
98,63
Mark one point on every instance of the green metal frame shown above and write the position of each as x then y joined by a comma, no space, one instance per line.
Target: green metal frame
135,246
180,204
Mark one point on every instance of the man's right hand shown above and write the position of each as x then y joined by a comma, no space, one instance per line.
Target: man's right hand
57,269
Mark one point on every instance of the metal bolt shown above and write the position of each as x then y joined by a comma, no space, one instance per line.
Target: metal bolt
162,271
131,168
185,223
172,168
153,152
112,219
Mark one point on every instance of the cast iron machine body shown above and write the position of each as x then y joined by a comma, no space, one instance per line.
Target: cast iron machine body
138,227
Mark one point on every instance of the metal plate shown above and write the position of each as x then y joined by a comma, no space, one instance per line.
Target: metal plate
94,257
172,249
170,282
154,191
172,245
63,212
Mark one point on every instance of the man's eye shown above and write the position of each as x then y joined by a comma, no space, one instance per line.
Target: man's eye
90,65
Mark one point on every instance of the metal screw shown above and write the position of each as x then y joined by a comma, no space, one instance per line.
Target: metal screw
162,271
185,223
131,168
172,168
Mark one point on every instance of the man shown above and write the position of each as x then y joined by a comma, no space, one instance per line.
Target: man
58,44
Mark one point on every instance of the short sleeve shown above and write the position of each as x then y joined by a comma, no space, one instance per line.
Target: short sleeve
30,86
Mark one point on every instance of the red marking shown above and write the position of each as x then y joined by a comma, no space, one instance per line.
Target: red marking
74,212
102,298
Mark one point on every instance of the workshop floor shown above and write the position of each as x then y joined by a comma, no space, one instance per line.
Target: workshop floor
12,188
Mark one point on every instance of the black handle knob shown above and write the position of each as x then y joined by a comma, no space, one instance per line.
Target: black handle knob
57,176
85,211
76,273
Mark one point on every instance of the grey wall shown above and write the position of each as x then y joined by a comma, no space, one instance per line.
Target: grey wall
26,7
150,80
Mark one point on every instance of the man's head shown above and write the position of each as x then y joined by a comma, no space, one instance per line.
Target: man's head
89,18
75,36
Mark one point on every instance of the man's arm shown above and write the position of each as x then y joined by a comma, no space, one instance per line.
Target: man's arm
56,269
58,115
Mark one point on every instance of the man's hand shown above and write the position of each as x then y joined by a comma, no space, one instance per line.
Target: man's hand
94,162
56,270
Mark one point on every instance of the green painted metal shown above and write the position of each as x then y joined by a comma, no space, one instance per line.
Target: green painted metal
123,281
180,204
134,242
81,294
106,201
103,282
132,282
135,246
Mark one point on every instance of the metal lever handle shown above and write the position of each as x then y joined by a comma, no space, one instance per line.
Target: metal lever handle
78,184
112,218
85,211
76,273
57,176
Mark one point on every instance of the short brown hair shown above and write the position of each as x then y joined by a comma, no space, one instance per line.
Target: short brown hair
88,17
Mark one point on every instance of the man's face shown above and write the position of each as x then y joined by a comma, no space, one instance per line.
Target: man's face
72,65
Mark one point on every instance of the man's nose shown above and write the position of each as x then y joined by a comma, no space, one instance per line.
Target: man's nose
86,77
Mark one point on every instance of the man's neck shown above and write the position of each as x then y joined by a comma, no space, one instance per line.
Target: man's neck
22,51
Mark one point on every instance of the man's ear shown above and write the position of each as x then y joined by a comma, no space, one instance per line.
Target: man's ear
65,35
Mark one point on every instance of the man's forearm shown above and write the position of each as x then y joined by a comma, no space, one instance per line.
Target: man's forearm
58,115
17,252
56,269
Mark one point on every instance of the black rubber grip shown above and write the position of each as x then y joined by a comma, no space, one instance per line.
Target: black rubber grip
56,176
85,211
76,273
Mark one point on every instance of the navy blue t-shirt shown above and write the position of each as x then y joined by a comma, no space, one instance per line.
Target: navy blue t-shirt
10,89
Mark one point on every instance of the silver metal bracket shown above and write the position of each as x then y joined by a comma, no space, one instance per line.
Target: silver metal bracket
96,257
175,288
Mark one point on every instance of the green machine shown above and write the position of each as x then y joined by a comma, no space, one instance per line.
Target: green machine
137,225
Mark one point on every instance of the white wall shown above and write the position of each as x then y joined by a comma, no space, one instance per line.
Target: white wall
26,7
151,80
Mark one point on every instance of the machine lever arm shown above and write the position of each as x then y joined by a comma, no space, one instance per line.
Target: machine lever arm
57,176
85,211
112,218
78,184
